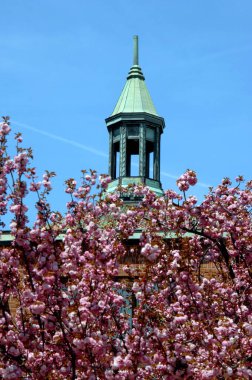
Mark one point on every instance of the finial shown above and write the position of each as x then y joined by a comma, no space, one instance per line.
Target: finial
135,56
135,70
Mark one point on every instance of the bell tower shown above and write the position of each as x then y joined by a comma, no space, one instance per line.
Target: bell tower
135,131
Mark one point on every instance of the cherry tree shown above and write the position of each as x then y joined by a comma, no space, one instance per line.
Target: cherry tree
109,291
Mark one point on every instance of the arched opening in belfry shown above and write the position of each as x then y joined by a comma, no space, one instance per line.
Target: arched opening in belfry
117,159
132,151
150,151
132,158
149,159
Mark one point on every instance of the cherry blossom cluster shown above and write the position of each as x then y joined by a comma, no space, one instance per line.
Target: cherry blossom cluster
186,180
160,289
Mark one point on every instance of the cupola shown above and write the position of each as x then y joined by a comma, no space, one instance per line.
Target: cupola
135,130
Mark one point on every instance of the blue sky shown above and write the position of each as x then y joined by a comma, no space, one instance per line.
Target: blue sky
63,66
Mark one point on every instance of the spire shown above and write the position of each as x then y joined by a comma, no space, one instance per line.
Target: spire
135,96
135,55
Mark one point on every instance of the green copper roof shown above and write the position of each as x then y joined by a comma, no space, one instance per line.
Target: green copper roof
135,96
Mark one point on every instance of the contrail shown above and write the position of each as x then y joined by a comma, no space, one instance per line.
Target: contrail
86,148
62,139
173,176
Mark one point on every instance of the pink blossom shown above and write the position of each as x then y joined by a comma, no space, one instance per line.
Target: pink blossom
159,289
37,308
